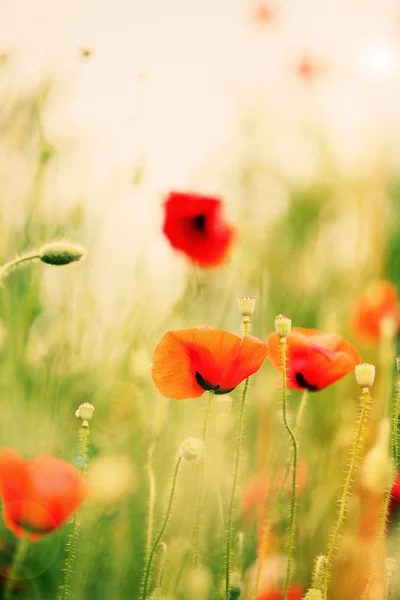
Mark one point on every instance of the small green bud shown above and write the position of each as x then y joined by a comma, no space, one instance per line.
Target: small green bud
365,375
60,253
283,325
85,411
191,449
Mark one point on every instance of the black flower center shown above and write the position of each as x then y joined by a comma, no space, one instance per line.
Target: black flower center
210,388
199,223
302,382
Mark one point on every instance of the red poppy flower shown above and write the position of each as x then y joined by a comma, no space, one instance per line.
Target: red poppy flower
263,13
38,495
378,300
194,225
188,362
294,593
394,504
308,70
315,359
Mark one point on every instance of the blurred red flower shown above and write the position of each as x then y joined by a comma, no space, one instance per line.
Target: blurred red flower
377,301
294,593
263,13
38,495
394,503
194,225
315,359
187,362
308,70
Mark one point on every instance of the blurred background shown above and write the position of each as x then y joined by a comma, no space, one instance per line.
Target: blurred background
289,112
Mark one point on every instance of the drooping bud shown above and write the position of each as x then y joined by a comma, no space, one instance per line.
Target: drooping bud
247,305
365,375
60,253
191,449
313,594
283,326
85,411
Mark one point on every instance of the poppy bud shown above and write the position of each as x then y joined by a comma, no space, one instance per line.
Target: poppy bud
85,411
191,449
60,253
247,305
313,594
365,375
283,326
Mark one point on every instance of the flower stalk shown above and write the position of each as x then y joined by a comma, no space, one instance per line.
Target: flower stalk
22,548
365,376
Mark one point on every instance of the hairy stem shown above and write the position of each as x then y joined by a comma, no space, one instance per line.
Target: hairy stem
17,261
13,576
73,534
233,491
200,499
355,450
294,444
162,530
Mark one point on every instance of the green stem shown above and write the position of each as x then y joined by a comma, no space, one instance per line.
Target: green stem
152,499
13,576
70,558
197,551
162,530
345,496
294,443
263,545
233,491
394,449
17,261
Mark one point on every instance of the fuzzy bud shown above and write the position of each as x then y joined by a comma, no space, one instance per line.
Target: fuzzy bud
283,326
247,305
365,375
313,594
60,253
191,449
85,411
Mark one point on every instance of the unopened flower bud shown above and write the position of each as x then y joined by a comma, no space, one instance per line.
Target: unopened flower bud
313,594
365,375
191,449
283,326
60,253
247,305
85,411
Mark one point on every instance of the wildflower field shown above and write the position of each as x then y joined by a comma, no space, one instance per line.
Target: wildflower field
199,300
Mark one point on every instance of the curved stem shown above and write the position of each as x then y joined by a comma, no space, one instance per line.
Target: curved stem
233,491
69,561
294,443
22,548
345,496
17,261
152,498
197,551
162,530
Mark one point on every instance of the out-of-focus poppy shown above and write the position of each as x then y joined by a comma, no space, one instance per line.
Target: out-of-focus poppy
294,593
315,359
38,495
194,225
263,13
378,301
394,503
187,362
308,70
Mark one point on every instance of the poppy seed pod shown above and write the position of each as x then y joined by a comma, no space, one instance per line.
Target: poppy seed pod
283,326
191,449
85,411
60,253
365,375
247,305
